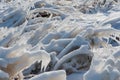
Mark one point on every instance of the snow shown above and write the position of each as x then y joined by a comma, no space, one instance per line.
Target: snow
60,39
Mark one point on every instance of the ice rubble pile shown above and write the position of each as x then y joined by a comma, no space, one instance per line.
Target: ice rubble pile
58,32
105,68
14,60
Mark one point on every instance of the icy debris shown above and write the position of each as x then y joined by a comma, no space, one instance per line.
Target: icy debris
112,19
75,61
76,42
105,74
41,3
103,69
59,30
15,18
52,75
57,45
15,56
117,54
12,36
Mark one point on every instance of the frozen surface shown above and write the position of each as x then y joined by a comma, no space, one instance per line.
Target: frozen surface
53,75
60,39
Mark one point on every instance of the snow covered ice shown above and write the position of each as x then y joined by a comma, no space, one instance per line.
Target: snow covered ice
59,40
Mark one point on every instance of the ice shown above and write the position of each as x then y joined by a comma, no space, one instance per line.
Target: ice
60,39
53,75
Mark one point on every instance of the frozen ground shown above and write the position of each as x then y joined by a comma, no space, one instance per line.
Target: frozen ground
59,39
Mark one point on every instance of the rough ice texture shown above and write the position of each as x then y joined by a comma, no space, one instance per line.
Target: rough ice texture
80,36
104,68
16,59
52,75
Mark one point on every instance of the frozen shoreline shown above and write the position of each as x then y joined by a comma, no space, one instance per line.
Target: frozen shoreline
78,36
